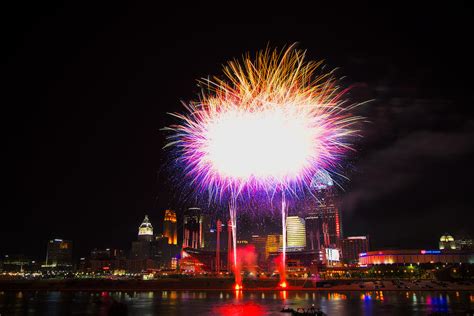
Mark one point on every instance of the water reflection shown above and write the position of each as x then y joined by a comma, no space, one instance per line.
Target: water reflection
238,294
336,297
234,302
379,296
247,309
437,303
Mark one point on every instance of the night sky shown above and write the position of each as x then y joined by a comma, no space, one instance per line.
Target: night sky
85,91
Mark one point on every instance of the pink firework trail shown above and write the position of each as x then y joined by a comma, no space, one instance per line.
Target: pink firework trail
271,125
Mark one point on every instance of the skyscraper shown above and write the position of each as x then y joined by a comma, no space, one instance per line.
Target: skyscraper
145,230
208,233
323,219
218,245
193,234
59,254
105,260
295,233
274,244
353,246
260,244
163,252
141,249
229,245
170,227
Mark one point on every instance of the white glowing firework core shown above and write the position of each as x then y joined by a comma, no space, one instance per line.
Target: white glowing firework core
278,143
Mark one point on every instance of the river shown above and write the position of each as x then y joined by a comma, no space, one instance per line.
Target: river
249,303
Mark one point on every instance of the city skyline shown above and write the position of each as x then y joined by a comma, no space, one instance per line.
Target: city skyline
84,147
201,236
225,159
300,208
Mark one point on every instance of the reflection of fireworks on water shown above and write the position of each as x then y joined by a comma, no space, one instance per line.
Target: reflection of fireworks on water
271,125
248,308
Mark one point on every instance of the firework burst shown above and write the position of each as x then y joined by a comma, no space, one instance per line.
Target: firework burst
270,124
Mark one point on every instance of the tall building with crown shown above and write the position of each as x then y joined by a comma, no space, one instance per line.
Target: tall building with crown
145,231
323,219
142,246
170,227
152,251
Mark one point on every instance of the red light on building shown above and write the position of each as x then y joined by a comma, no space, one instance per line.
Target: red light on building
338,226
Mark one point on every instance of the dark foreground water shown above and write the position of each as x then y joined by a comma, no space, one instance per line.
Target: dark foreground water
232,303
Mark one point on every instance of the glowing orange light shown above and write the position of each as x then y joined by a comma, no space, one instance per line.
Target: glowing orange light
283,284
238,287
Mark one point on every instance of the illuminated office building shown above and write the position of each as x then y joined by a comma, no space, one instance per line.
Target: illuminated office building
193,236
59,254
331,256
170,227
353,246
274,244
260,243
208,233
295,233
323,219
